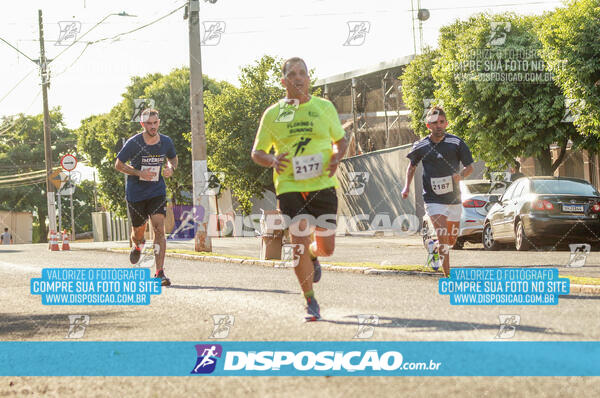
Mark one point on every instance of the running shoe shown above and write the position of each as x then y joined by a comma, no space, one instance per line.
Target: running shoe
164,281
313,312
135,253
435,261
433,257
317,272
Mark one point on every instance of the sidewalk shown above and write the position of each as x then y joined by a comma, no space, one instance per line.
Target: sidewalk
390,251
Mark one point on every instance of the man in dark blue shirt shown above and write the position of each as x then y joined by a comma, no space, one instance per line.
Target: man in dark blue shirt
441,154
146,189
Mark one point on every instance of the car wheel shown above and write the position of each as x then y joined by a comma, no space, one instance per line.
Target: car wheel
459,244
522,241
488,238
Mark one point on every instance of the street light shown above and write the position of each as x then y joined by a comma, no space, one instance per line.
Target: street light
121,14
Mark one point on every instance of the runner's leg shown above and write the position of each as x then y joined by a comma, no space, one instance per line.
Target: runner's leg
158,225
139,217
441,228
137,234
453,227
324,243
300,234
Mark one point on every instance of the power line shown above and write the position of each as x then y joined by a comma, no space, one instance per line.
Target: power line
23,174
140,27
16,85
24,184
89,43
22,120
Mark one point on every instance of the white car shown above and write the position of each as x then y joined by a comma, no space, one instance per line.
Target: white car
475,197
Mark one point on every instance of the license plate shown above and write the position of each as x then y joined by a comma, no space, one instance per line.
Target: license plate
573,208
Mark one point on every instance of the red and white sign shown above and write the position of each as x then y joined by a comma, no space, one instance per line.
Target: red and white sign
68,162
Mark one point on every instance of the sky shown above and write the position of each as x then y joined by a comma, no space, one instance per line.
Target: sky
89,79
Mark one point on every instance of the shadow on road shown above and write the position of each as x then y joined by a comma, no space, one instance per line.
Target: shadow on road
433,325
581,297
10,251
53,326
233,289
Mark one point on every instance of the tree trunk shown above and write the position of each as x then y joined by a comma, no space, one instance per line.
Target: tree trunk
561,155
545,162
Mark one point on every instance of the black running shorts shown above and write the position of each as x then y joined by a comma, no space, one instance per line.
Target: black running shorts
316,204
140,211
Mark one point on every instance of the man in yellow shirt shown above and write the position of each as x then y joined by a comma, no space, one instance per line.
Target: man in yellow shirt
308,142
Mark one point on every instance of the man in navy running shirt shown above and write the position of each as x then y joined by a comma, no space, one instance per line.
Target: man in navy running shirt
441,154
146,189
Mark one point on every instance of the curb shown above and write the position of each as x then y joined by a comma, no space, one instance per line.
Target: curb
585,289
574,288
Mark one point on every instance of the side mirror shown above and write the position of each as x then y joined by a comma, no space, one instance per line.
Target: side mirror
494,199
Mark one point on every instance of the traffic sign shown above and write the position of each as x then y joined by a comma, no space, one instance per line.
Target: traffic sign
68,162
67,189
58,178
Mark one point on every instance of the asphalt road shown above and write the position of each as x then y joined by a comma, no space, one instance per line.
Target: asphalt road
267,305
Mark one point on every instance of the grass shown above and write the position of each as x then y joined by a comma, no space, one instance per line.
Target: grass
582,280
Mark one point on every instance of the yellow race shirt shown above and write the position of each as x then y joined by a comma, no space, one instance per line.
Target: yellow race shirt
306,132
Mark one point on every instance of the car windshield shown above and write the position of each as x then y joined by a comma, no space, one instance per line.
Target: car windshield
564,187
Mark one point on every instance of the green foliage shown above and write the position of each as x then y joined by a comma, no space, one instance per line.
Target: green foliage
232,119
418,85
22,151
498,117
100,136
571,46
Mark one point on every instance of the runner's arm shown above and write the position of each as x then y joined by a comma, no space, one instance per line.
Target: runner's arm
172,163
339,150
410,173
465,158
171,166
127,169
467,171
264,159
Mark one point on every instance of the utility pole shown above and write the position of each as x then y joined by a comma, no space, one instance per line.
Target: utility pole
72,188
95,194
354,127
59,200
199,167
47,143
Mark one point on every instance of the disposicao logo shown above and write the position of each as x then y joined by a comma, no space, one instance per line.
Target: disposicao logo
207,358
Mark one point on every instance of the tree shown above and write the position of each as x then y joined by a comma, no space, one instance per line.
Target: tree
22,151
232,119
571,46
498,93
418,87
100,136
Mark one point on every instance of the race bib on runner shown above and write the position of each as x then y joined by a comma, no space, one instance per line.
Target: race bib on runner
154,169
442,185
307,166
